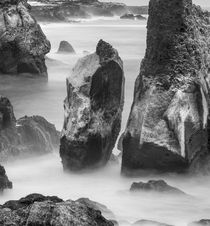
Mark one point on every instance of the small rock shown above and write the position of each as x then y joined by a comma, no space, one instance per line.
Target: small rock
156,186
66,47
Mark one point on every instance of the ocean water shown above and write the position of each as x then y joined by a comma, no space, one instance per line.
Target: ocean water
45,175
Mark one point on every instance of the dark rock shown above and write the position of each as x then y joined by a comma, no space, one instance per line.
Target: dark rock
204,222
66,47
23,45
128,16
26,136
156,186
140,17
149,223
4,181
168,125
120,144
93,109
37,210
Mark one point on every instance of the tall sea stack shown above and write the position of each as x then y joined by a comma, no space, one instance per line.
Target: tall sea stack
167,129
23,45
93,109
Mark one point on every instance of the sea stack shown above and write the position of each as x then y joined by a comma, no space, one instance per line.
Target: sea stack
167,129
93,109
66,48
23,45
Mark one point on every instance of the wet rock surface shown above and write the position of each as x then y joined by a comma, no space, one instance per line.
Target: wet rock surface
66,47
26,136
4,181
37,209
23,45
167,128
156,186
93,109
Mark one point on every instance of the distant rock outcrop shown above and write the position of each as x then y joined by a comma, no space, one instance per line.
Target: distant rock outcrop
4,181
36,209
66,47
168,125
131,16
203,222
156,186
26,136
93,109
149,223
23,45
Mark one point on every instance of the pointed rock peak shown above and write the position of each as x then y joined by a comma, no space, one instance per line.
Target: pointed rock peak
105,51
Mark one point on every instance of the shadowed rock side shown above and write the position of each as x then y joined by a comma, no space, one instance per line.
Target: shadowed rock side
23,45
36,209
93,109
26,136
4,181
167,126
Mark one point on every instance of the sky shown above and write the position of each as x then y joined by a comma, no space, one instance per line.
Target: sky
203,3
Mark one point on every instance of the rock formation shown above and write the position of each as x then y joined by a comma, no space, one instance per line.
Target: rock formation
167,129
4,181
93,109
203,222
26,136
66,47
23,45
37,209
149,223
156,186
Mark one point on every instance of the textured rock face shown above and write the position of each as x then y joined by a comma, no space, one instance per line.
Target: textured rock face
66,47
93,108
168,123
156,186
26,136
37,209
23,45
4,181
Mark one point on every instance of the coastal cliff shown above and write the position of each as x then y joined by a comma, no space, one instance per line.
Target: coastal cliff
93,109
23,45
167,129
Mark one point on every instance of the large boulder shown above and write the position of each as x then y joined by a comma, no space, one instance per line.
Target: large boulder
37,209
168,124
26,136
23,45
93,109
4,181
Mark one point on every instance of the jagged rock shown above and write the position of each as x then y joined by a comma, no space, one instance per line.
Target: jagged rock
66,47
23,45
37,210
167,126
93,109
4,181
156,186
149,223
204,222
26,136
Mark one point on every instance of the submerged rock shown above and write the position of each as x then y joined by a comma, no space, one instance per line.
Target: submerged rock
26,136
4,181
149,223
156,186
167,126
204,222
23,45
66,47
37,209
93,109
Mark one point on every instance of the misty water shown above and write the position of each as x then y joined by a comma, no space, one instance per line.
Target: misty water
45,175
